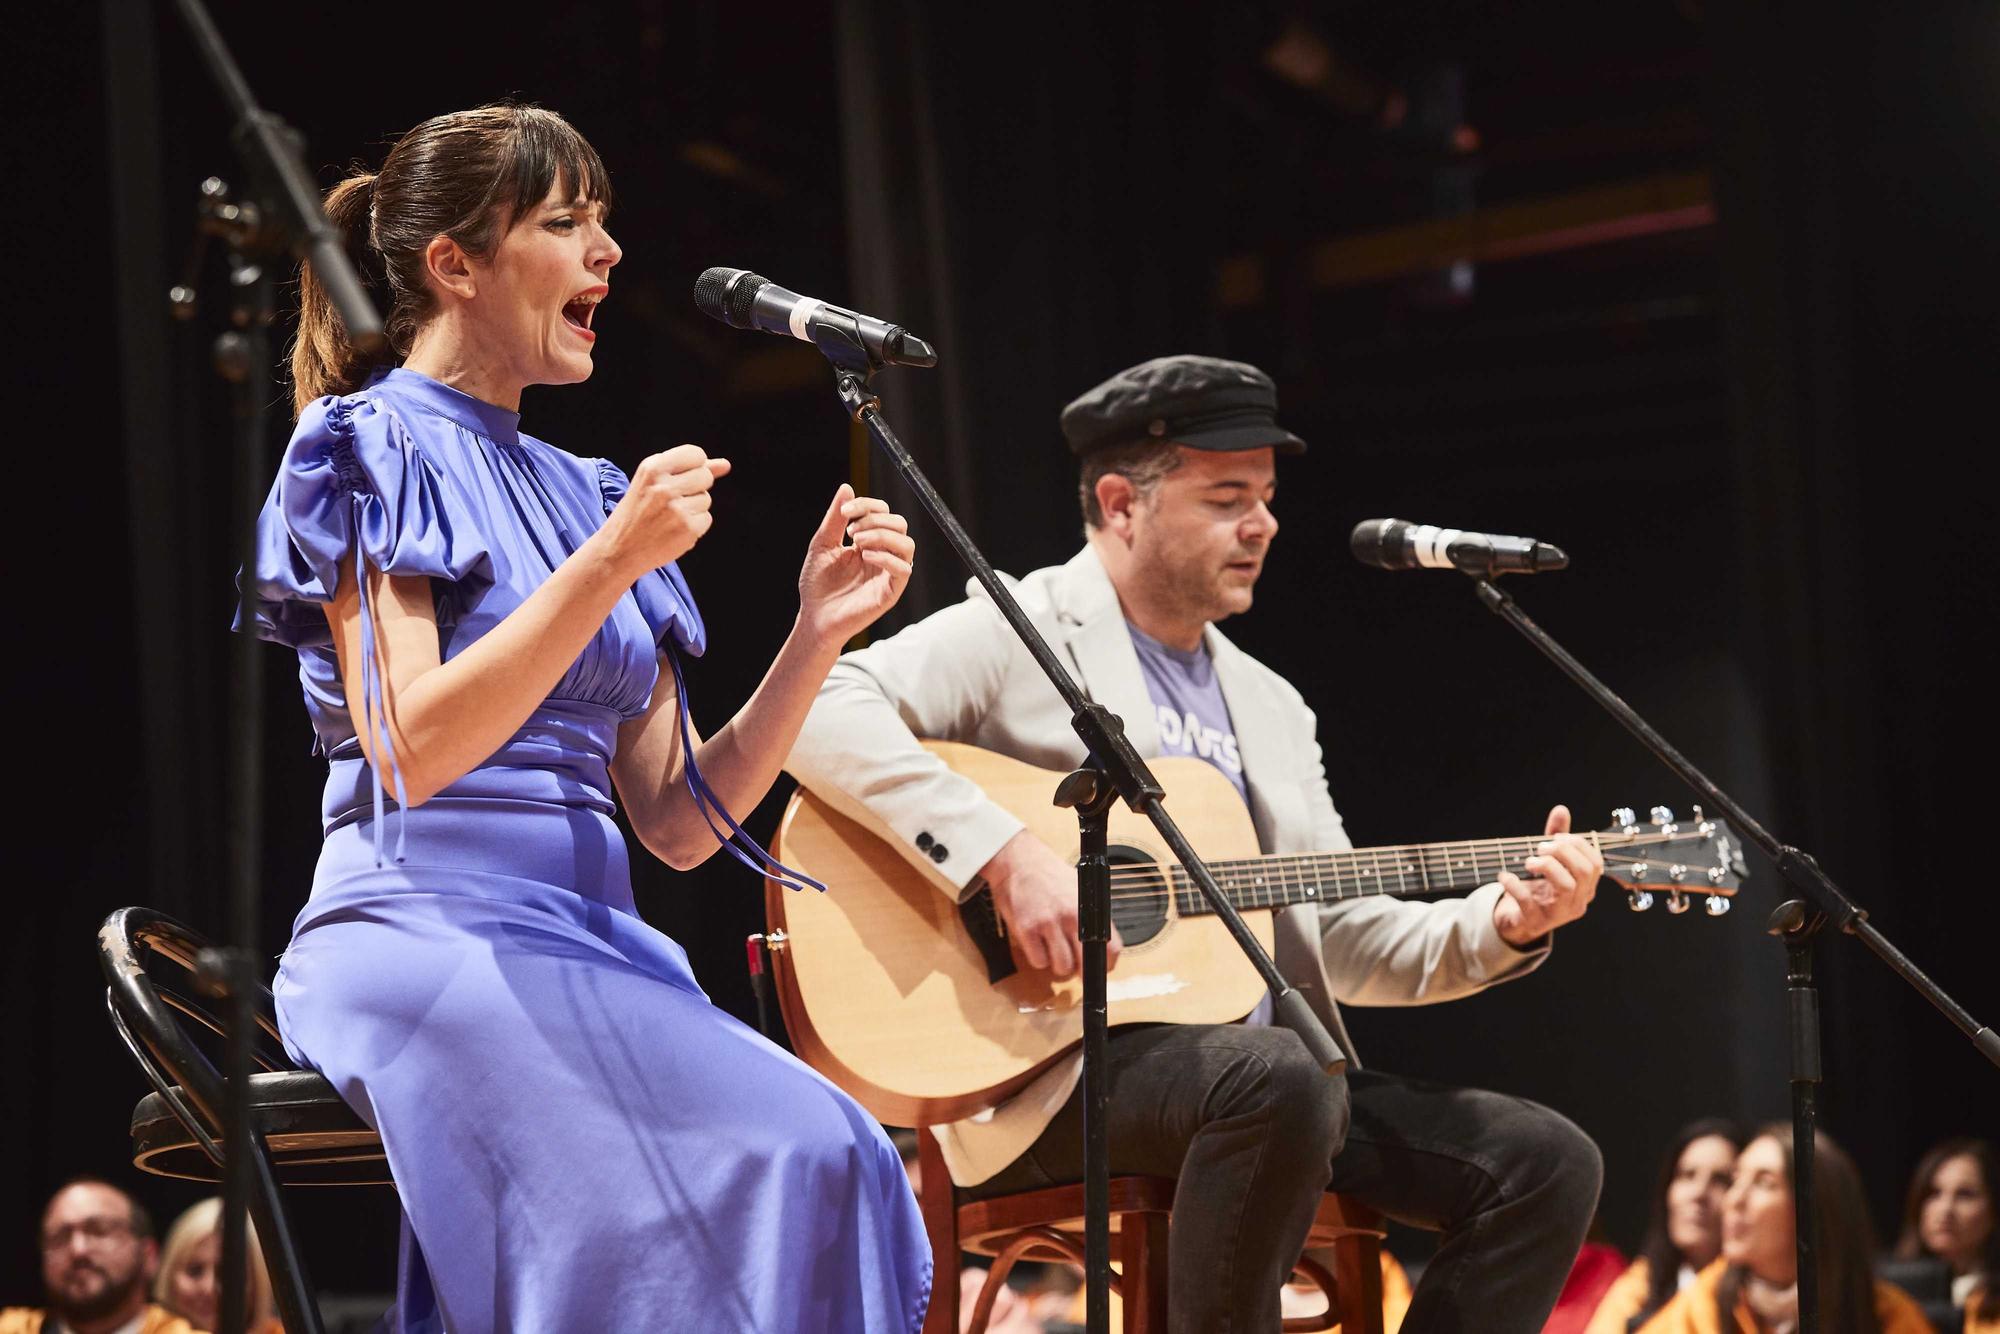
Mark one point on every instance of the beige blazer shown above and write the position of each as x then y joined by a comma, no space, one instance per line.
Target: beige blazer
960,675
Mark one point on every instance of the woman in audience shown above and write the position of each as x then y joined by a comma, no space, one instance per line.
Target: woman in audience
1949,1214
1752,1287
1683,1227
190,1278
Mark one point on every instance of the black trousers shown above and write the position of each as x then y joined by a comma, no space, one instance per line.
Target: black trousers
1255,1134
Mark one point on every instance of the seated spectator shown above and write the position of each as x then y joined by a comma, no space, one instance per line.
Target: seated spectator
190,1280
98,1254
1598,1265
1683,1226
1752,1287
1949,1215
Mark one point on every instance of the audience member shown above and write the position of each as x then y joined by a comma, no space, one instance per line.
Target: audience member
1598,1265
190,1280
98,1254
1752,1287
1949,1215
1683,1225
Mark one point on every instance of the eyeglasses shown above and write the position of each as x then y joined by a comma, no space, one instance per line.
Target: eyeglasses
96,1231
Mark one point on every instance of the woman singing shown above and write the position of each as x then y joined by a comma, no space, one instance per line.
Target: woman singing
488,631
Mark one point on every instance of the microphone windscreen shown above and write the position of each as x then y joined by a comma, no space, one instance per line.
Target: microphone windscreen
728,295
1378,542
708,290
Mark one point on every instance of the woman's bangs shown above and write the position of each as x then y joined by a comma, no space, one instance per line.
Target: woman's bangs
549,152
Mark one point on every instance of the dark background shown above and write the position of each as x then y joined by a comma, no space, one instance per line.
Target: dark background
1726,333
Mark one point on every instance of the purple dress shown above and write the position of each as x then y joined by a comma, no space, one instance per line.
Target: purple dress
580,1139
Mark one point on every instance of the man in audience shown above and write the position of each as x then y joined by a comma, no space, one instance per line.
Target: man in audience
98,1258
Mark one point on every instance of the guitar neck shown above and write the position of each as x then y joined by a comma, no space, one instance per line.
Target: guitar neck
1278,880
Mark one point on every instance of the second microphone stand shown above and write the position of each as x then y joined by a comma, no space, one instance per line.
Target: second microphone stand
1112,770
1798,922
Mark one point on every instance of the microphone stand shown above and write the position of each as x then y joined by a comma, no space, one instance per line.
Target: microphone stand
1113,769
1797,921
281,215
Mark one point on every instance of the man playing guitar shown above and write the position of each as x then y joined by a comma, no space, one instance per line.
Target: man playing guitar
1178,476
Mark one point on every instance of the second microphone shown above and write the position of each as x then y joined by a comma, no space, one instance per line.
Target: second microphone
1393,544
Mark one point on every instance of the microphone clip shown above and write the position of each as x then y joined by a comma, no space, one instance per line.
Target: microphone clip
837,335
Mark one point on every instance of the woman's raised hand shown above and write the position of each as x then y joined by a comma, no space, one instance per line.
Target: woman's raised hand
846,585
666,509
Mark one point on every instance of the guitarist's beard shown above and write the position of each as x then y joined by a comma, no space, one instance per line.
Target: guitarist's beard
1192,586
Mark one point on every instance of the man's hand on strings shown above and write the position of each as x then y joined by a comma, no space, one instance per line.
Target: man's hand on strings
1034,892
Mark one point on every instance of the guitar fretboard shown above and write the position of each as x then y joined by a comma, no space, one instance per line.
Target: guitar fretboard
1280,879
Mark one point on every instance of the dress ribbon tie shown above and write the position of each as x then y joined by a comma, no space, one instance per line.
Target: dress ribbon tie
734,841
374,714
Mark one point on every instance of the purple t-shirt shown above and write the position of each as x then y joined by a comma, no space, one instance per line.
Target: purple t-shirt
1188,703
1194,720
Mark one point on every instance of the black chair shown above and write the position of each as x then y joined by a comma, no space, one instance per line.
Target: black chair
306,1135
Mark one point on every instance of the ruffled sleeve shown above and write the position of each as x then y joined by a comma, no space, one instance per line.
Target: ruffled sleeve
664,599
354,481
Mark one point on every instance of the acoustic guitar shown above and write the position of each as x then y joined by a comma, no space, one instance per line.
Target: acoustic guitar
915,1004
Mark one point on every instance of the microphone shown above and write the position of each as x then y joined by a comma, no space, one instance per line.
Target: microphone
1393,544
745,300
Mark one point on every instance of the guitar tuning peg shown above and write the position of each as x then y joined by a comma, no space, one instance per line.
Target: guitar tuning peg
1716,905
1677,873
1661,815
1717,874
1638,900
1677,902
1625,818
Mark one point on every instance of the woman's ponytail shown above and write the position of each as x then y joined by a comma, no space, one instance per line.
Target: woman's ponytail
323,361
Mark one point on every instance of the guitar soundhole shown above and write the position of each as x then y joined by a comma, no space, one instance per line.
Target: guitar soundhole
1138,895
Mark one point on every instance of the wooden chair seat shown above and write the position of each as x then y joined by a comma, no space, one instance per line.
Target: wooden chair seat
1048,1225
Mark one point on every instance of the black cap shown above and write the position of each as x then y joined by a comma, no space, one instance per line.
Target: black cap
1200,402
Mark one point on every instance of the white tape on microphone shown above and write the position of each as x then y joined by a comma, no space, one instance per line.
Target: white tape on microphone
801,318
1431,545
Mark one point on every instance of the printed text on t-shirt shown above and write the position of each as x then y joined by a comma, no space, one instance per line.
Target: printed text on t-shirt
1186,734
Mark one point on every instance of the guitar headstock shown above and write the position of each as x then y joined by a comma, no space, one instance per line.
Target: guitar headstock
1675,858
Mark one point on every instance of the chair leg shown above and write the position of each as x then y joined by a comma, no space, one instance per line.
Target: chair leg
1357,1271
290,1286
1142,1255
939,1206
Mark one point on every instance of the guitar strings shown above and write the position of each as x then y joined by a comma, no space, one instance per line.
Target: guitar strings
1395,859
1155,878
1239,870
